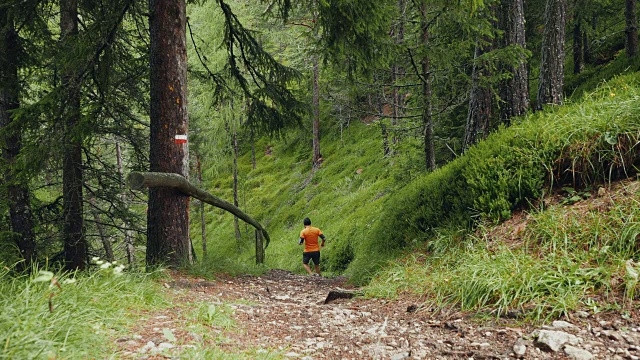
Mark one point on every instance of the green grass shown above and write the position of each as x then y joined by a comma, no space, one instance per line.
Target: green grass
567,258
371,216
39,319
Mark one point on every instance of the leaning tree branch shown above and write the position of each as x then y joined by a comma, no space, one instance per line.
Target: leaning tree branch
138,180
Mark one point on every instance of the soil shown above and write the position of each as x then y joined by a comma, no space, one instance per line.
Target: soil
289,313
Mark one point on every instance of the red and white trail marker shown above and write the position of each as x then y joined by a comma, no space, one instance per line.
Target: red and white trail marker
181,139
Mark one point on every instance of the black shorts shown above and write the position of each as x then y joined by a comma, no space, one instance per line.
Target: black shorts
313,255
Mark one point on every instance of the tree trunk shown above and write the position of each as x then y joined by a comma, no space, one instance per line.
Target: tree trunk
515,90
427,117
253,151
168,215
106,242
552,61
578,44
316,113
397,72
380,102
631,29
128,234
480,103
17,192
259,248
203,223
236,201
75,244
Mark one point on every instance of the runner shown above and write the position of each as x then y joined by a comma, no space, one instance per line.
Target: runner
309,236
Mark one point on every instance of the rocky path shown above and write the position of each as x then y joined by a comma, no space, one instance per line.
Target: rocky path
287,312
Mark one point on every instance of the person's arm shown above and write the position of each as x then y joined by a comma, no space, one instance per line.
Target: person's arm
301,241
323,239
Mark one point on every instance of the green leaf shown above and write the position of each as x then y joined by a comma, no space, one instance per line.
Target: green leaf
43,276
610,138
168,334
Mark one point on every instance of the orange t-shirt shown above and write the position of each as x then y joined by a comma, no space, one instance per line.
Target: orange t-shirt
310,235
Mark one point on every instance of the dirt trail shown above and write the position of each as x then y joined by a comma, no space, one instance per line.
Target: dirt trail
286,311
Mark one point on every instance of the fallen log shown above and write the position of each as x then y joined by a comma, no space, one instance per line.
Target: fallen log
138,180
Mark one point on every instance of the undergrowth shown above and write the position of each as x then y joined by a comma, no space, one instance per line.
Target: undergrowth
52,316
565,259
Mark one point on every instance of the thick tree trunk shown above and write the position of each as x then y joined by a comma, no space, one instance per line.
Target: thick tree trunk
168,215
316,113
138,180
75,243
631,29
552,61
427,116
480,103
515,90
17,192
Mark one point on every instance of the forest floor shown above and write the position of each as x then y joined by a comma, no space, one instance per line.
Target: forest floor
289,314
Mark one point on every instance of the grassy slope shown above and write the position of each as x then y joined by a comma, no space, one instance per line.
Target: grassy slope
283,190
364,213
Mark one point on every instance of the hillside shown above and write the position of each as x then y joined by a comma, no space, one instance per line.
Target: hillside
372,207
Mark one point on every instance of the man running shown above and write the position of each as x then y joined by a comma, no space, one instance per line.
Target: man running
309,236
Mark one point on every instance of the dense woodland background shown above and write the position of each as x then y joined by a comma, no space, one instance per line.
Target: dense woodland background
329,109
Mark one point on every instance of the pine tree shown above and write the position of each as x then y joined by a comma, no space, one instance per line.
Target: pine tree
631,29
75,244
552,59
17,191
168,213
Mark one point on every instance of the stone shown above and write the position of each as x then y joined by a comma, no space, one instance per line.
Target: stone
519,348
577,353
554,340
400,356
165,346
559,324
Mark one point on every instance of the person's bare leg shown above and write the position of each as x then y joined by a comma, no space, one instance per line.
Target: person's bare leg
306,266
318,269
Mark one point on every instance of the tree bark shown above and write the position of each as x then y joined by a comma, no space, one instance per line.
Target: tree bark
128,234
139,180
316,113
106,242
515,90
631,29
480,103
427,116
203,223
17,193
236,201
578,43
552,61
397,72
259,248
75,243
168,214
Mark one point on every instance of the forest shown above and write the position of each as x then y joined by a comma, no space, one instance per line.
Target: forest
470,158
